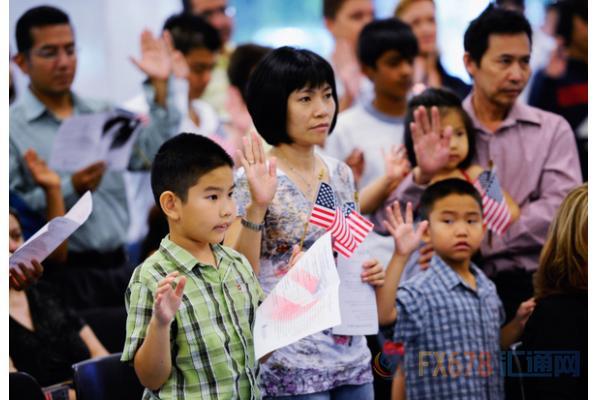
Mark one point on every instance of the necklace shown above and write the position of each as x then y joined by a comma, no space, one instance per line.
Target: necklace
309,183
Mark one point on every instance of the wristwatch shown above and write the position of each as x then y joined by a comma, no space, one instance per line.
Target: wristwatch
251,225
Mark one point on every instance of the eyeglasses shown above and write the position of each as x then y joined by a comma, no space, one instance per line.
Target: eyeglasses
52,52
229,11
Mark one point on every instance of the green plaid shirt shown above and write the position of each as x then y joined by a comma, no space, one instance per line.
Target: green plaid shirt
211,335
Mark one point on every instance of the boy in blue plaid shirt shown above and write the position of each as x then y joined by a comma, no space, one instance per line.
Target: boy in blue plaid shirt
449,317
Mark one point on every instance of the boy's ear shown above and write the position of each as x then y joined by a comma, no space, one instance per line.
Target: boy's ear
426,237
170,205
368,71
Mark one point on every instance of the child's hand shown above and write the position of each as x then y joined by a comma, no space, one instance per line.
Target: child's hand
373,273
406,238
430,143
396,165
261,178
43,175
524,311
356,162
168,300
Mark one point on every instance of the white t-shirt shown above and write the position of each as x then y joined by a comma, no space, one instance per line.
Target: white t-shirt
363,127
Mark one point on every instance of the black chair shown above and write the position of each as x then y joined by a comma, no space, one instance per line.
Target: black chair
106,378
22,386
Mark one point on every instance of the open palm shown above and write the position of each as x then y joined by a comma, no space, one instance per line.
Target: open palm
406,238
261,176
396,165
155,59
430,142
168,300
42,174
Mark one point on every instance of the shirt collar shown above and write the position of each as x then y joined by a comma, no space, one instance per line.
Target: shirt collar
379,115
34,108
519,113
451,279
183,258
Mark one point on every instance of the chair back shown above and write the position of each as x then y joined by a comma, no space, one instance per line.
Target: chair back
22,386
106,378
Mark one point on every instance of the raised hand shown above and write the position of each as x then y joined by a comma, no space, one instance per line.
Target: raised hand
180,68
155,60
89,177
42,174
261,176
168,300
349,72
356,162
430,143
396,165
406,238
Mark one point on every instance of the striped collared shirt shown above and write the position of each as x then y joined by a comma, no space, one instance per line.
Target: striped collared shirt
211,335
451,335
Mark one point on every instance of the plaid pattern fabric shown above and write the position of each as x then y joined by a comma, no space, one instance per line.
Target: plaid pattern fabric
451,335
211,339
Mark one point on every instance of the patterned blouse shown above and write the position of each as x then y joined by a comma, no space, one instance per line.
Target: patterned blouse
321,361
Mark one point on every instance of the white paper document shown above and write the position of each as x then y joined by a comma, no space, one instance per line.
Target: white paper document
50,236
359,314
85,139
304,302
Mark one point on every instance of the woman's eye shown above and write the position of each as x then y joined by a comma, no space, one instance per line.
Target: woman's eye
304,99
212,197
328,95
230,194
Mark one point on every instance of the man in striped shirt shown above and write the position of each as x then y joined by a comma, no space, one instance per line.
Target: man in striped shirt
191,305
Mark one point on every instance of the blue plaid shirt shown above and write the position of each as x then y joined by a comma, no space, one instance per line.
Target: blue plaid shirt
451,335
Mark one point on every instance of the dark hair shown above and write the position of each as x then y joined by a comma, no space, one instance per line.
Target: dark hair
190,32
380,36
445,100
330,7
35,18
493,20
277,75
444,188
241,64
567,10
182,160
519,4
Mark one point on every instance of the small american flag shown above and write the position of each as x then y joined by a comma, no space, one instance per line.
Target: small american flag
324,209
496,212
346,226
344,242
359,225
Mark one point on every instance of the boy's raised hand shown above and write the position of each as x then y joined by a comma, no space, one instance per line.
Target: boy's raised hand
155,59
406,237
430,143
168,300
261,176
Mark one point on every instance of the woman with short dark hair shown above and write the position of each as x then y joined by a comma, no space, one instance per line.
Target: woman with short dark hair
292,99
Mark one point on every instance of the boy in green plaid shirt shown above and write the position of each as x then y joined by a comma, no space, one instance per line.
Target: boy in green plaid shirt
191,305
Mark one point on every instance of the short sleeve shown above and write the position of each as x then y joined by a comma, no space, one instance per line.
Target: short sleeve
410,316
140,304
241,193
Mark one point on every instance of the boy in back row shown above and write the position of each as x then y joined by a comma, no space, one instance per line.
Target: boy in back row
449,317
191,304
